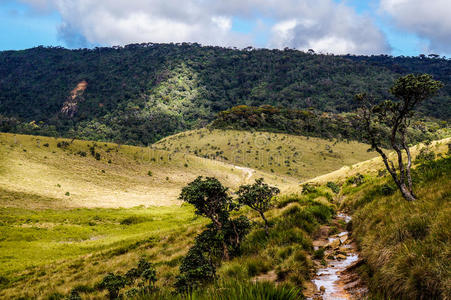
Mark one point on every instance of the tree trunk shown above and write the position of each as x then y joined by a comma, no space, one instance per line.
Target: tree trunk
225,250
266,223
406,193
218,226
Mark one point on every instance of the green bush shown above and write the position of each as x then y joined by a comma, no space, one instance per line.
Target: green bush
113,283
319,254
308,188
132,220
333,186
425,155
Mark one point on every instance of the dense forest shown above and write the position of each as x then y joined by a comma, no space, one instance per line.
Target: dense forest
313,123
140,93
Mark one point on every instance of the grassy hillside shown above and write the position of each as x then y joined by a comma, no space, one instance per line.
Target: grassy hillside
406,246
280,154
52,242
375,165
70,208
120,178
138,94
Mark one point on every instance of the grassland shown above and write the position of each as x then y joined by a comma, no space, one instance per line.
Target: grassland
120,178
374,165
66,217
282,154
406,245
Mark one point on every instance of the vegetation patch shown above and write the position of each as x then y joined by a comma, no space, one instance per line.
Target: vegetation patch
405,244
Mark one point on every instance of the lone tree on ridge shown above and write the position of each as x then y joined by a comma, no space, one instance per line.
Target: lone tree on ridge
410,90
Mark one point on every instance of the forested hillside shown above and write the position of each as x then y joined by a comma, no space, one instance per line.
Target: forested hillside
140,93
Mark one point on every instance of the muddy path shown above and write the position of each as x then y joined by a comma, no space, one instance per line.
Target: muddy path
336,276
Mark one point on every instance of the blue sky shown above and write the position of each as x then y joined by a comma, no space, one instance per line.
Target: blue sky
29,23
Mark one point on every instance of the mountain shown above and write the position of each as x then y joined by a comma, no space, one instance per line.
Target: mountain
140,93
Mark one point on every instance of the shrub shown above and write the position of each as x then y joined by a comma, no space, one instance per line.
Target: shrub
319,254
146,272
358,179
195,270
149,173
321,212
388,189
82,153
131,220
62,144
308,188
74,295
333,186
113,283
425,155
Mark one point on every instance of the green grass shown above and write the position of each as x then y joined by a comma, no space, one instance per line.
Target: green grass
60,234
39,246
236,290
406,245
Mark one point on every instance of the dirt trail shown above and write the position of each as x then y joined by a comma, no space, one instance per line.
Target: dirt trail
336,277
249,171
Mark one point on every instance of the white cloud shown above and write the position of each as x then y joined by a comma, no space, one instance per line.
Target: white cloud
325,26
322,25
430,19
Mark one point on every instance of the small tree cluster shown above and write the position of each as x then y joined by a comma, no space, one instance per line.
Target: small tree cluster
222,238
144,275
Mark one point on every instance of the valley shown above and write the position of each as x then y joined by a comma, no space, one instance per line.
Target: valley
69,216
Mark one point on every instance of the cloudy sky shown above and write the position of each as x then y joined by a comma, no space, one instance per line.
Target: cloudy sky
398,27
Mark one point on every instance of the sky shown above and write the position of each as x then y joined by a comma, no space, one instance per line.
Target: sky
396,27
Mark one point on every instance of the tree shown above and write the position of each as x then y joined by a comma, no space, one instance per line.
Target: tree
113,283
210,199
146,271
410,90
258,197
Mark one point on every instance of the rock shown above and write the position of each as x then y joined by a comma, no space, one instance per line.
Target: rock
343,249
344,239
333,244
340,257
322,289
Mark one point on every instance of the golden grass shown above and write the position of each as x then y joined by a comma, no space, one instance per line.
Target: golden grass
28,167
406,245
288,156
372,166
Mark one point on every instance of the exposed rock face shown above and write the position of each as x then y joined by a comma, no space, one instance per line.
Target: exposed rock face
70,106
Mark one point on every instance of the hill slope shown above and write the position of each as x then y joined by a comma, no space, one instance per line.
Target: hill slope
405,245
120,178
141,93
276,153
52,242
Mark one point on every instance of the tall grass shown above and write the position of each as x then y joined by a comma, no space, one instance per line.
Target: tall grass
235,290
407,245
